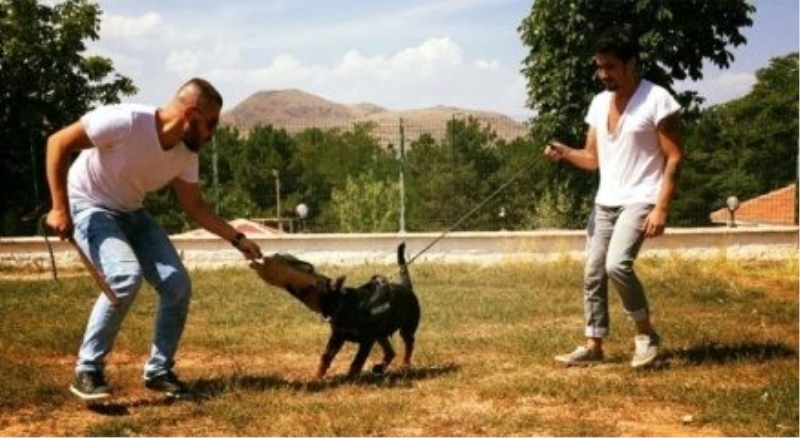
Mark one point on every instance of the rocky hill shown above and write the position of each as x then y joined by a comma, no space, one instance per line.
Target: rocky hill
295,110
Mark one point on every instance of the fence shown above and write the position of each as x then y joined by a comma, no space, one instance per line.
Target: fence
29,254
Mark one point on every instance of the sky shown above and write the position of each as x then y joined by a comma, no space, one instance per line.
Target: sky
398,54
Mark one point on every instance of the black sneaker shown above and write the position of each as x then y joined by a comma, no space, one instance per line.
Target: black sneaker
90,385
167,383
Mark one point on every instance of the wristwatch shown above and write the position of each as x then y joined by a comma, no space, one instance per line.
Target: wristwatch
237,240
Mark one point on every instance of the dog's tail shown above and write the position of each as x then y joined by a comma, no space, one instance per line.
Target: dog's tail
405,279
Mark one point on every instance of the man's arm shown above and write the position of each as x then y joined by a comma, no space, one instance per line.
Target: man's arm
668,132
60,147
585,158
191,198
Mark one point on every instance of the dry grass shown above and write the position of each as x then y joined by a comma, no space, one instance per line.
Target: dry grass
483,366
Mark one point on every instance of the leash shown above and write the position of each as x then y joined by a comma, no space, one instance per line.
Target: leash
98,278
43,231
519,173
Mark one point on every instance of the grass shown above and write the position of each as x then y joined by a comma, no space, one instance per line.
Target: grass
483,366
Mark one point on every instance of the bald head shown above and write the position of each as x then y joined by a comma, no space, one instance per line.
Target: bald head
197,92
194,110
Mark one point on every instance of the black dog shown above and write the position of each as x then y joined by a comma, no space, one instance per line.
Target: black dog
367,314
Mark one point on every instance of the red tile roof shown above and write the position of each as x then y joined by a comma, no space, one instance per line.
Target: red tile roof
250,228
774,208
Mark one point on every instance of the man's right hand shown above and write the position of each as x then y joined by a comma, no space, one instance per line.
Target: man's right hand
555,151
60,222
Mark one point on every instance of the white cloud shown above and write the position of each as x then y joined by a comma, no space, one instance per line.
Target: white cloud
735,82
721,87
431,73
117,27
487,65
421,61
327,59
182,62
429,57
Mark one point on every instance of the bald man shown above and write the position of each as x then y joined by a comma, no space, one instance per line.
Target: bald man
127,151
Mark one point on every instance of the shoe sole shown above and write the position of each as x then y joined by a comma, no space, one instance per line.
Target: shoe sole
89,397
183,395
644,363
168,393
579,363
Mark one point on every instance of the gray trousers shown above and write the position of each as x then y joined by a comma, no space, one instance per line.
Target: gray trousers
614,238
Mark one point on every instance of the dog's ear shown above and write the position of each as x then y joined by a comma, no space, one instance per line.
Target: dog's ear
337,284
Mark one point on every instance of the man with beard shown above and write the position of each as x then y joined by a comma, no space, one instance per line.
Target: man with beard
633,141
127,151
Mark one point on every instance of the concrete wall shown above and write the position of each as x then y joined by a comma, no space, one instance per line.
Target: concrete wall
773,243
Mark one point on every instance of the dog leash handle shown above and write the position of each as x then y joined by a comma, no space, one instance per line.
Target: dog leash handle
96,275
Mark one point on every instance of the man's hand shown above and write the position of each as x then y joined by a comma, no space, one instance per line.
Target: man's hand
250,249
655,222
555,151
60,222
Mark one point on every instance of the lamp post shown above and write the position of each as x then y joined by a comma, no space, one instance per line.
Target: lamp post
502,216
277,176
733,205
402,159
302,214
215,168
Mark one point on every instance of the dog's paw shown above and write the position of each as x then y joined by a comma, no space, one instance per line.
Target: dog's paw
379,369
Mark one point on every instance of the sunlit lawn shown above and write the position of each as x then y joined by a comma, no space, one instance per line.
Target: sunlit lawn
483,365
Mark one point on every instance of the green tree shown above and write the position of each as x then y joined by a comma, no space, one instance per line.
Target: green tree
745,147
260,163
676,38
46,82
448,179
766,125
323,161
365,205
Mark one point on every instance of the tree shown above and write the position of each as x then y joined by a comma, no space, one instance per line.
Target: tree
323,161
765,125
365,205
745,147
447,180
675,38
45,83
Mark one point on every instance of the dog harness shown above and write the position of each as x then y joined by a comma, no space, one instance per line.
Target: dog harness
367,305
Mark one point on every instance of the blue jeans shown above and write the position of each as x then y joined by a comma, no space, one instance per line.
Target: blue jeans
615,235
128,247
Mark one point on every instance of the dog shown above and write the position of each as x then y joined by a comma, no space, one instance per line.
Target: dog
366,314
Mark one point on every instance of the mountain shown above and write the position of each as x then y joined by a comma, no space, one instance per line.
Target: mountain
296,110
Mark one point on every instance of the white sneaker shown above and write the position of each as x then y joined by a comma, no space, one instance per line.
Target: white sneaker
646,350
581,356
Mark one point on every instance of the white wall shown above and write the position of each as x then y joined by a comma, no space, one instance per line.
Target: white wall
774,243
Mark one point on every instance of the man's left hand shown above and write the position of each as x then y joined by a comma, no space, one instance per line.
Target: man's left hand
655,222
250,249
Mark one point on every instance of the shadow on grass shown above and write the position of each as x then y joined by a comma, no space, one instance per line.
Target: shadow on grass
717,353
207,389
210,388
121,408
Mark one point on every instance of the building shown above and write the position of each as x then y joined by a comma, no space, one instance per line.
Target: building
778,207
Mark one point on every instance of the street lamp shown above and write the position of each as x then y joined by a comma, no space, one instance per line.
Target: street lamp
277,176
502,216
402,159
302,214
733,205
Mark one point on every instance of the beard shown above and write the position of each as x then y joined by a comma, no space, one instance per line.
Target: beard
193,146
611,86
192,139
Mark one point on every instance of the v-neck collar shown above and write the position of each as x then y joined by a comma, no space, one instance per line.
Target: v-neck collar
613,134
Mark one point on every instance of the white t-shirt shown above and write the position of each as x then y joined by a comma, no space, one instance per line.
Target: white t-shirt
631,161
127,161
